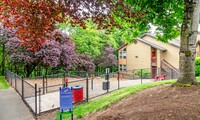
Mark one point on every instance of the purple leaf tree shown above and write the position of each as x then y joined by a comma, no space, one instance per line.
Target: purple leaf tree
86,62
58,50
106,58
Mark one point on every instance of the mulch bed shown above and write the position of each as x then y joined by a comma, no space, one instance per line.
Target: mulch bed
158,103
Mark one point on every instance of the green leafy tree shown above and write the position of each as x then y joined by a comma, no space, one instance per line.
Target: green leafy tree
5,35
173,18
89,40
180,17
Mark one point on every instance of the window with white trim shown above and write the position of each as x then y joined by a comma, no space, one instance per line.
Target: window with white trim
122,54
122,67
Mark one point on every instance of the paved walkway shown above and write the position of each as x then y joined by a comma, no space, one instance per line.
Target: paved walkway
12,107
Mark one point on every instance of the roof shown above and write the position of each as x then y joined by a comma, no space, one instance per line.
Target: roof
174,42
123,45
151,44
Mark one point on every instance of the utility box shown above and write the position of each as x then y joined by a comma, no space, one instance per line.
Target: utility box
106,85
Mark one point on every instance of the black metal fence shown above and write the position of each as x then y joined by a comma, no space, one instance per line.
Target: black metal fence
150,73
41,93
27,92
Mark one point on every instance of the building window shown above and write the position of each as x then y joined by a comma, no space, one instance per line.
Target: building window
122,54
122,67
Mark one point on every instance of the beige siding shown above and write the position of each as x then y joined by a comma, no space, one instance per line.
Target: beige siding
143,52
172,53
122,61
158,55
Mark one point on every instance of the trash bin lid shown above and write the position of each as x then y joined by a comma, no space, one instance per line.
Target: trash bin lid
77,87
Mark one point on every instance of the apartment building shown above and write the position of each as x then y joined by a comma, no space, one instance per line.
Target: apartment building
147,52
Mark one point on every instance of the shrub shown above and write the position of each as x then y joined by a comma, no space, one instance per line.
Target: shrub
197,66
145,73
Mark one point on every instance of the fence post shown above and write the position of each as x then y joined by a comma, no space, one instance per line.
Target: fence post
87,90
8,77
141,76
15,82
171,73
22,88
39,100
92,83
6,74
36,100
11,80
107,76
43,84
46,83
118,80
64,82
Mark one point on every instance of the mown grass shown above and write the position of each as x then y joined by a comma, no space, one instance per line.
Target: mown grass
3,83
103,102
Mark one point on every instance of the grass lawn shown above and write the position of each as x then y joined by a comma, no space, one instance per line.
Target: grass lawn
3,83
103,102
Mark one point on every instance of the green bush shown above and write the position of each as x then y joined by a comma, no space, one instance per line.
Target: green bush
197,66
145,73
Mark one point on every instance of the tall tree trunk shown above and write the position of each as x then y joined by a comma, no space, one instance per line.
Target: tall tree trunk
3,59
189,30
29,69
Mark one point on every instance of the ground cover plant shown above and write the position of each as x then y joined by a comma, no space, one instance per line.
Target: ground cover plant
3,83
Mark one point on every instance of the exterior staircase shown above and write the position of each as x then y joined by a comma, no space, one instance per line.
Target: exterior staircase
169,70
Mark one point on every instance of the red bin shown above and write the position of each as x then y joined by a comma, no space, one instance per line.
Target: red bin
77,93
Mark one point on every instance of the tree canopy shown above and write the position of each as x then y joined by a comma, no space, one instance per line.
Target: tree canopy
33,21
89,40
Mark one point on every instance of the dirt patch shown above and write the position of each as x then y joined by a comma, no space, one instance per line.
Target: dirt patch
48,115
158,103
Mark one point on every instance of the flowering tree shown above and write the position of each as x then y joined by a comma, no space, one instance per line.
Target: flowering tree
86,62
19,55
106,58
58,50
68,57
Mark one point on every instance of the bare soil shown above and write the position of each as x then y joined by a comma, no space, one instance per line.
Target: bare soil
158,103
